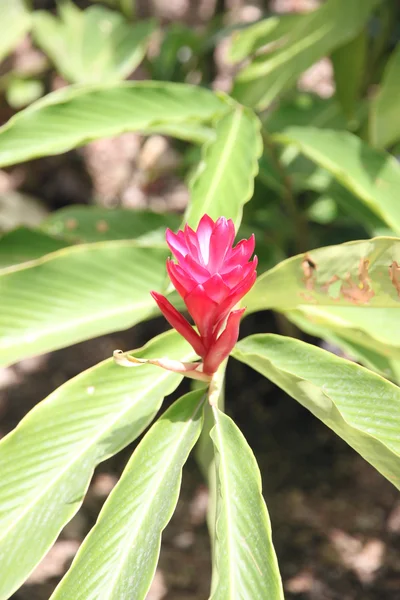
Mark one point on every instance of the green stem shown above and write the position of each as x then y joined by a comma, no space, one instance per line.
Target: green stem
204,450
288,197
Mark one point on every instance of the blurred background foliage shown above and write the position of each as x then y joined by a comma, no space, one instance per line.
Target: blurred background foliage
322,76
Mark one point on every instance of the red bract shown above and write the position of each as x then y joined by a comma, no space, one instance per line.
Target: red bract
211,276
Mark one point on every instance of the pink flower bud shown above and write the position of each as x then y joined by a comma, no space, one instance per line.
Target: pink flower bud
212,276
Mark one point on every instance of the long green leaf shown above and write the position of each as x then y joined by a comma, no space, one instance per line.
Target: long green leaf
349,63
245,564
118,558
74,116
371,355
384,113
95,223
46,463
314,36
365,273
248,40
374,328
370,174
23,244
94,45
224,181
15,22
76,293
353,289
360,406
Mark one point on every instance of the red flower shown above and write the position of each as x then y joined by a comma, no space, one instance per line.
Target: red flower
211,276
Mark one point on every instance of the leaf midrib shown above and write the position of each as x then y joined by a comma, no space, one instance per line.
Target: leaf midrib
160,479
228,520
235,126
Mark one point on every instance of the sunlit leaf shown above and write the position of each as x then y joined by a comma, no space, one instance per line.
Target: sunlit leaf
48,460
313,37
360,406
372,175
365,273
90,46
385,115
245,564
367,352
248,40
15,22
77,293
118,558
76,115
224,180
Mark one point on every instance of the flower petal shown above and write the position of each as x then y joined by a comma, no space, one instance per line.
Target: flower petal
221,241
216,288
236,294
177,243
178,322
224,344
197,272
193,245
240,254
204,230
203,311
182,281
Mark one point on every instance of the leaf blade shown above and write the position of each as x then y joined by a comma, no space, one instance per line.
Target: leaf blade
314,36
222,184
136,512
373,176
384,119
245,564
360,406
74,116
48,460
77,293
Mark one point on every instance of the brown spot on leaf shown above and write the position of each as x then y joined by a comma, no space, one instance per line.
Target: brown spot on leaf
307,297
358,293
71,224
102,226
309,267
394,274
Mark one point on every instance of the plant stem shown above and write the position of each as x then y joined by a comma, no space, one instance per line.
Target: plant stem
288,197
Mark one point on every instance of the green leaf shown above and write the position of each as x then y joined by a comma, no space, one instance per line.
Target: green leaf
248,40
352,345
15,22
48,460
375,328
352,289
372,175
302,109
23,244
22,91
75,294
349,62
245,564
360,406
365,273
94,224
74,116
96,45
384,114
118,558
314,36
224,181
